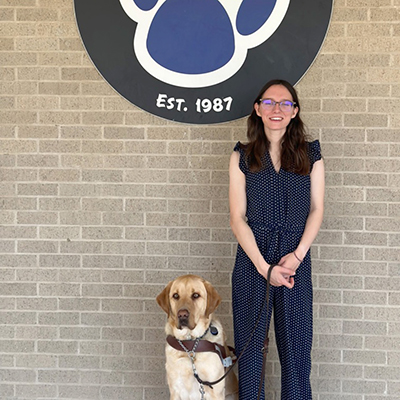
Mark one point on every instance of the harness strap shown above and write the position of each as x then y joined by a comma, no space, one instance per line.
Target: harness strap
202,346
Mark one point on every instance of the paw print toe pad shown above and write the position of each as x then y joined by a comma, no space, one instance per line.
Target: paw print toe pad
180,43
253,14
145,5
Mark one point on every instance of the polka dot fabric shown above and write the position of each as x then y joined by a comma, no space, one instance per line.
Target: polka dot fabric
278,205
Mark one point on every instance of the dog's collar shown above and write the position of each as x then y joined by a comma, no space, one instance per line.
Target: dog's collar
204,334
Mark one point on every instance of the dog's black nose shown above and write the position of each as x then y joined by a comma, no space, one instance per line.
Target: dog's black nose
183,314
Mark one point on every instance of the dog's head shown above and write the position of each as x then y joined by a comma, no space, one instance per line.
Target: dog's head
189,300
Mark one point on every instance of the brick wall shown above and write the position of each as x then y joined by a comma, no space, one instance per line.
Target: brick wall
102,204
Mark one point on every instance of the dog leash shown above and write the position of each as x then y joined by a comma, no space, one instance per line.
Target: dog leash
264,348
266,339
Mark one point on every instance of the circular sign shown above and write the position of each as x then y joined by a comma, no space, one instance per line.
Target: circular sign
200,61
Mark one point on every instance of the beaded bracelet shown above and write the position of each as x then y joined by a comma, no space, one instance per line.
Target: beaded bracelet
297,257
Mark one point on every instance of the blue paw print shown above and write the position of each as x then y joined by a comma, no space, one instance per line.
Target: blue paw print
199,43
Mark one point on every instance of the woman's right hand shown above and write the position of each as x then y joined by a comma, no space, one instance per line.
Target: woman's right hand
280,276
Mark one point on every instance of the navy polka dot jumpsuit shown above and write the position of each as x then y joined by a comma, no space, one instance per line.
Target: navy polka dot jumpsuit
278,205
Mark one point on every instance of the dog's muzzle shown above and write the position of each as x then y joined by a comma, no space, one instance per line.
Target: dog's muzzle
183,318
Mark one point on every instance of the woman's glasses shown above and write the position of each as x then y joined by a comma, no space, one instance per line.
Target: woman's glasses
269,104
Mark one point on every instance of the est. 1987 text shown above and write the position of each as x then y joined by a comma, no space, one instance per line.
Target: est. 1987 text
201,105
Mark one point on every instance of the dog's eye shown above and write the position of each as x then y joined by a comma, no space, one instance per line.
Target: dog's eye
195,296
176,296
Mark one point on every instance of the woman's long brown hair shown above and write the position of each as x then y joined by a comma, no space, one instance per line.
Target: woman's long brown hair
294,154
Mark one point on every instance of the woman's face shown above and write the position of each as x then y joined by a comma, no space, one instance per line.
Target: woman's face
274,119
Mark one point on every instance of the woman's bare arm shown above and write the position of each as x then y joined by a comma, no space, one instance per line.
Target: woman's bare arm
314,219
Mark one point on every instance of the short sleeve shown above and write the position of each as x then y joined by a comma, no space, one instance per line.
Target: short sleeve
314,152
242,158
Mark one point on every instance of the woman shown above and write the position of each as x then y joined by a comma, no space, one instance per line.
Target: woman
276,197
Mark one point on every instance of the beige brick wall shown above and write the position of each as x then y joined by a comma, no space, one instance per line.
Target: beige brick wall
102,204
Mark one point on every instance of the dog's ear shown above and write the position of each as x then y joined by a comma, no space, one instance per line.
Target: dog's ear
163,298
213,298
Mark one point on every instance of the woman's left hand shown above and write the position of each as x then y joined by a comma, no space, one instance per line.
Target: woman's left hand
289,261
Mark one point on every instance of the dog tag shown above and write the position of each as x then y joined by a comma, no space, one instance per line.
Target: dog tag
213,330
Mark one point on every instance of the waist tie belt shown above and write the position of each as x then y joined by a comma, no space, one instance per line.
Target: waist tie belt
277,227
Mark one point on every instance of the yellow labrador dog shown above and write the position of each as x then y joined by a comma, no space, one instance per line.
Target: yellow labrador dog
195,341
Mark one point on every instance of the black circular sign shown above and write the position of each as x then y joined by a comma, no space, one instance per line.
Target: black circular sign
200,61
